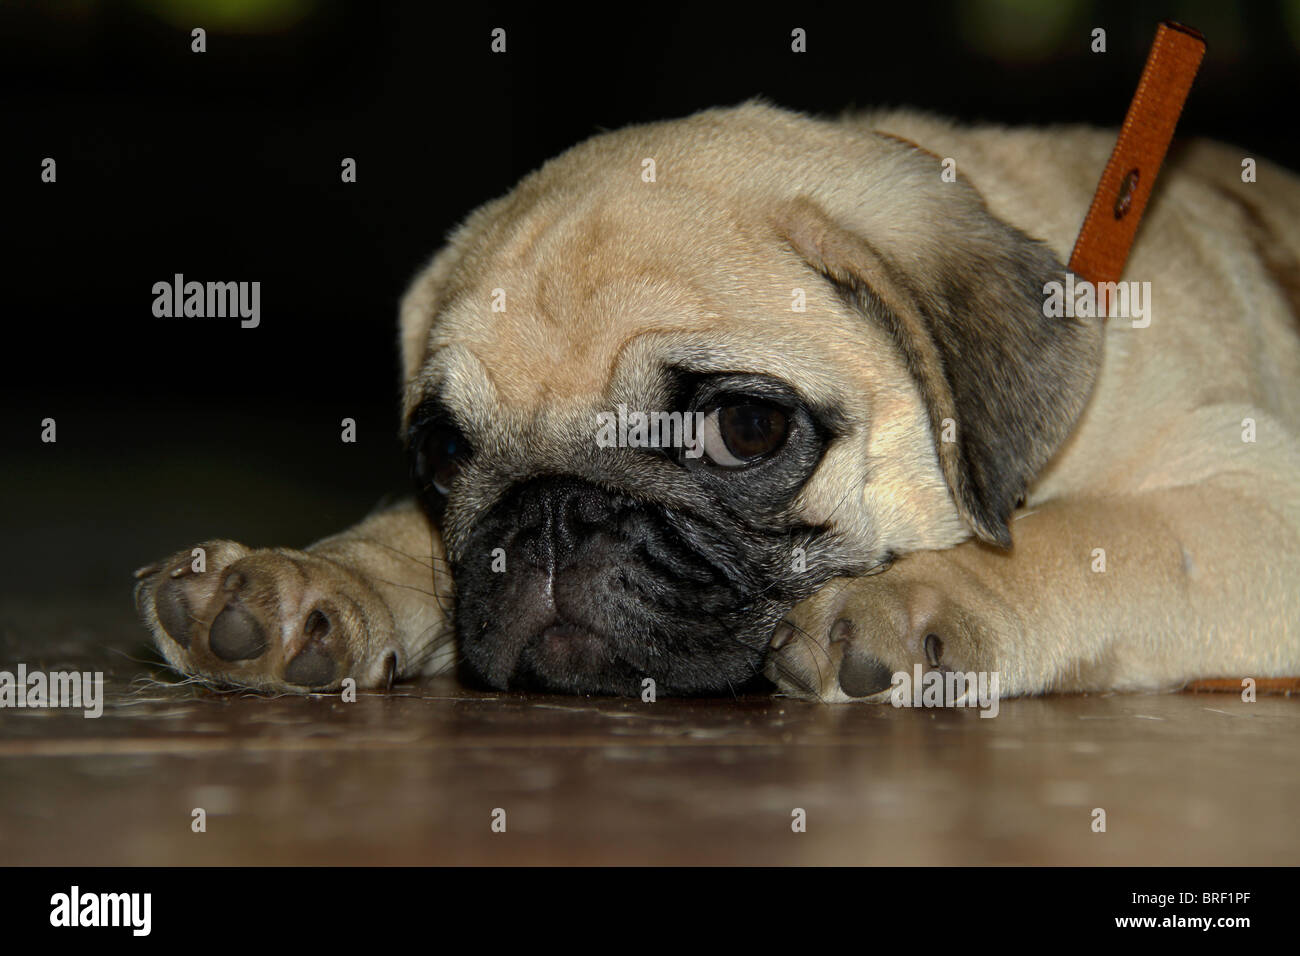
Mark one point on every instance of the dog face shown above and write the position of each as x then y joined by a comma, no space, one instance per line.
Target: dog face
855,351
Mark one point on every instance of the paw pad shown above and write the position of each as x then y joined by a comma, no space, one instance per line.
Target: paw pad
862,676
313,667
174,612
236,635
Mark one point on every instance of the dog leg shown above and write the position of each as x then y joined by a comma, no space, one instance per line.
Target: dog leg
368,603
1138,592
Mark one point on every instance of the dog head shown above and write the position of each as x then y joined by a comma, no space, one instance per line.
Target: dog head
841,358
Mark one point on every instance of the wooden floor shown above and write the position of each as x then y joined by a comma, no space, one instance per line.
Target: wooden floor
414,777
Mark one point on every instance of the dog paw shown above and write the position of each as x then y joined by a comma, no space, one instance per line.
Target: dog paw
270,620
848,642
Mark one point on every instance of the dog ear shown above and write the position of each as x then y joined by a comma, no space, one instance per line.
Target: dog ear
420,304
962,297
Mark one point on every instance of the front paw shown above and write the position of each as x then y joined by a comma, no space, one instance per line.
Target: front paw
270,620
848,641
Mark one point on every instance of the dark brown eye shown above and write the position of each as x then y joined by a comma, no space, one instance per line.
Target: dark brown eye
737,435
441,452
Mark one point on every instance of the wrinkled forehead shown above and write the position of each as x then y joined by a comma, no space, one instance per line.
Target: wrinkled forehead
645,374
591,301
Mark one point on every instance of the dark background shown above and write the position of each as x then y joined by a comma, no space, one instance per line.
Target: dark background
225,166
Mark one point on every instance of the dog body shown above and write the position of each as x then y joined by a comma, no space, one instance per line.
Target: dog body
905,459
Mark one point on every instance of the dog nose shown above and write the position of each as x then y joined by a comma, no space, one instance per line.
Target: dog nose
555,516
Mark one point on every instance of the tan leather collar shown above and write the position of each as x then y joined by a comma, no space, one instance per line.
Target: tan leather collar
1121,198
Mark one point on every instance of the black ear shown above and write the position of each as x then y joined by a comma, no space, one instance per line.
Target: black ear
1003,383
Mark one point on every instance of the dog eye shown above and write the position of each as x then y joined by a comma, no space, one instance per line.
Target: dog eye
738,435
441,452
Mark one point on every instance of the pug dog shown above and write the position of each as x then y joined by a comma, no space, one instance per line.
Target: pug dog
882,447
